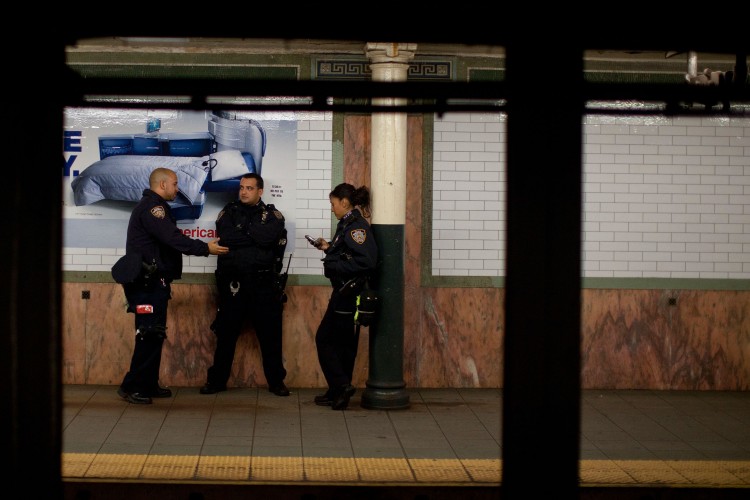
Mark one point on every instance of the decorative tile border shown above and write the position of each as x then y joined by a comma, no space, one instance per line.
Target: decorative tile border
351,69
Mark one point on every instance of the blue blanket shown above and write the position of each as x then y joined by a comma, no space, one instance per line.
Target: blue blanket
124,177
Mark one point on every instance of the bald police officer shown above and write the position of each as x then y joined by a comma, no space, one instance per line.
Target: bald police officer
154,241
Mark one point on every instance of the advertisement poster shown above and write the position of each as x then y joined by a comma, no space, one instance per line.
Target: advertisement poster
110,153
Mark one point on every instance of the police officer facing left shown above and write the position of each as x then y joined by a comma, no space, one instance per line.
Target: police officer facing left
248,284
156,244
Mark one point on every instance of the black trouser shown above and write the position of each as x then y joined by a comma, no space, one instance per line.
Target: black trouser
337,340
258,299
151,330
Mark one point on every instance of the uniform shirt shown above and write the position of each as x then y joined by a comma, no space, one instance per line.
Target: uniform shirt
352,251
153,233
252,233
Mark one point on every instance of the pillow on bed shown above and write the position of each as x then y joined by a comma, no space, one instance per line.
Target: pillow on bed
227,165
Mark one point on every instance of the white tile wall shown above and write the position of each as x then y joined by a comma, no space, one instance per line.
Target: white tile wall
468,195
662,197
313,210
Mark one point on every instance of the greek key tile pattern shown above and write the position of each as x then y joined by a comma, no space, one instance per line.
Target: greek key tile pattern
350,69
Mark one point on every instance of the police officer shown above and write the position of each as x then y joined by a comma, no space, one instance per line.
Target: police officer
350,259
248,284
155,244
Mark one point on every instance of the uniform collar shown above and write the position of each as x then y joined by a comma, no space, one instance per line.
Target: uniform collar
351,213
259,204
153,194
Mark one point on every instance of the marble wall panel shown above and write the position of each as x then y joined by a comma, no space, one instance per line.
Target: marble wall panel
460,339
98,338
357,150
73,333
636,339
100,327
188,350
453,337
413,295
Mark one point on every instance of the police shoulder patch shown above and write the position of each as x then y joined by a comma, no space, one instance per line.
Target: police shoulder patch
158,212
278,215
359,235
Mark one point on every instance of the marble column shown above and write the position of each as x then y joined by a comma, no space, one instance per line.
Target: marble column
385,387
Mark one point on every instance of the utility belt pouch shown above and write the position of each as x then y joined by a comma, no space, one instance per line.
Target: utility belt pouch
352,287
128,268
368,302
131,268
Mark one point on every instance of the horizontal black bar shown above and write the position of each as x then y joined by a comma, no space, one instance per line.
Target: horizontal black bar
666,109
322,90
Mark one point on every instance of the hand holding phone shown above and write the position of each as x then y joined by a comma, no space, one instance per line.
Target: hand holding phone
312,241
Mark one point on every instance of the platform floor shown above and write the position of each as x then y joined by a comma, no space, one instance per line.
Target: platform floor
452,437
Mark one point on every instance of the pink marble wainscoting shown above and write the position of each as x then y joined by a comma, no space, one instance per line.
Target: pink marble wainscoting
453,337
97,333
98,337
188,350
73,332
634,339
356,142
413,292
460,340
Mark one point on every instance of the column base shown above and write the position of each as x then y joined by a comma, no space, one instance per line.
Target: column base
385,398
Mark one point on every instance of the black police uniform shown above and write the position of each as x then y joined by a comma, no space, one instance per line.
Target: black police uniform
349,260
247,280
153,233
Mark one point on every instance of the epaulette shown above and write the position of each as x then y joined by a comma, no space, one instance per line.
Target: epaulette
353,217
275,211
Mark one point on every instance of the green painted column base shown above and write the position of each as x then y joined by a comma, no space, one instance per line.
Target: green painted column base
374,398
385,384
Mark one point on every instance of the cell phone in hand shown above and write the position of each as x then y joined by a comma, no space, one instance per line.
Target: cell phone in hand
312,240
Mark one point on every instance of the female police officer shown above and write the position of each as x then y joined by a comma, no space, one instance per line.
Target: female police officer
350,259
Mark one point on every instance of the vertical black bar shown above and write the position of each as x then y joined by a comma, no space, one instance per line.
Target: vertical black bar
31,273
541,388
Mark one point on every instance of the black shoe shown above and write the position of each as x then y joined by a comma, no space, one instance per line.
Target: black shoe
134,397
212,389
280,389
341,401
161,392
324,399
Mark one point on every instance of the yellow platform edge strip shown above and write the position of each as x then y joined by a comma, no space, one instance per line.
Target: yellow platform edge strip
735,473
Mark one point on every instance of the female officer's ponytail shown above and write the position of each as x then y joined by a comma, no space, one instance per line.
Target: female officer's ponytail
358,197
